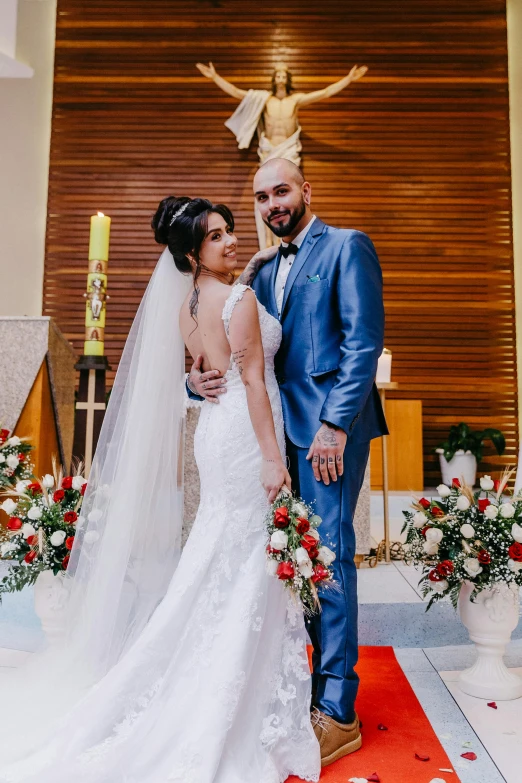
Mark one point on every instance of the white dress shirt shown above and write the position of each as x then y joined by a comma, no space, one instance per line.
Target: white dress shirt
285,265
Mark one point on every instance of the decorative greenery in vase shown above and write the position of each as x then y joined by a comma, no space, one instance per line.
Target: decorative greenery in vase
466,536
461,437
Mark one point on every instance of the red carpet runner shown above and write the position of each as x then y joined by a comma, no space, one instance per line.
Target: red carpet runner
386,698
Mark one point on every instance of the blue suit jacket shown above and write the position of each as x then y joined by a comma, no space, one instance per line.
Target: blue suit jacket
333,332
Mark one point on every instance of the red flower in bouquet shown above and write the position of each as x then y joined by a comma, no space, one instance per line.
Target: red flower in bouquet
484,557
437,512
496,485
14,523
69,541
515,552
435,576
483,504
320,573
303,526
455,483
70,517
425,530
445,568
32,540
65,561
313,553
281,517
67,482
34,487
309,542
58,496
285,570
30,556
21,457
3,435
424,503
82,490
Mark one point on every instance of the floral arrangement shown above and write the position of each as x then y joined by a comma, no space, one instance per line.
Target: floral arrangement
40,531
466,536
294,550
15,464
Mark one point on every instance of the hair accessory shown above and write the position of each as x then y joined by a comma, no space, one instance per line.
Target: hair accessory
179,212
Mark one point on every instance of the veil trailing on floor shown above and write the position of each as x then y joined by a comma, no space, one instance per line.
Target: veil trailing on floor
128,537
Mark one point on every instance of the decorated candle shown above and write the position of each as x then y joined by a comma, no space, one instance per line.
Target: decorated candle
97,285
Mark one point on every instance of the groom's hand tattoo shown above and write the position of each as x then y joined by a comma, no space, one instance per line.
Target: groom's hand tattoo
326,453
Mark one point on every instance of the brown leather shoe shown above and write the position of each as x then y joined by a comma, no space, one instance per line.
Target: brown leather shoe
335,739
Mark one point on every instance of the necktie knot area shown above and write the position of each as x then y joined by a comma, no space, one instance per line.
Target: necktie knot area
289,250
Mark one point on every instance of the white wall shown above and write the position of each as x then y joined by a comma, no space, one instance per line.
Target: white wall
25,127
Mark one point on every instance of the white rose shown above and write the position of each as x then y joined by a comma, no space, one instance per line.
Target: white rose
468,531
6,548
306,569
21,486
439,587
486,483
491,512
514,566
434,535
91,536
58,537
516,532
472,566
419,519
463,503
278,540
28,530
301,555
8,506
271,565
2,458
12,461
326,556
34,512
300,510
313,533
78,482
430,549
444,491
14,441
507,510
48,481
315,519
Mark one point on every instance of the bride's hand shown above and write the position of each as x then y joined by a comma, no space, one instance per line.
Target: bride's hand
273,475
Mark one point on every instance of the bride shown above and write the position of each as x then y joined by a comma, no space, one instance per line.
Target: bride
176,669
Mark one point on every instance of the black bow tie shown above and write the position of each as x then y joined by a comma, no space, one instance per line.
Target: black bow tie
289,250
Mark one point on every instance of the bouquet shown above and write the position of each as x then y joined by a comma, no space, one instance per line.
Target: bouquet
294,550
14,459
466,536
40,531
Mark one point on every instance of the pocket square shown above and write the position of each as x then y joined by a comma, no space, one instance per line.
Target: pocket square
314,279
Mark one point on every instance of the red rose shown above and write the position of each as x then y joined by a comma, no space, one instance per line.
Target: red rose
496,485
313,553
515,552
82,490
14,523
320,573
445,568
437,512
455,483
58,496
32,540
30,556
34,487
484,557
21,457
281,517
434,576
424,530
67,482
309,542
65,561
483,504
303,526
69,542
70,517
3,435
269,550
285,570
424,503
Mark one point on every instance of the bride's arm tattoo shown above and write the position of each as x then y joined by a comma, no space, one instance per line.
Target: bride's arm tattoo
238,358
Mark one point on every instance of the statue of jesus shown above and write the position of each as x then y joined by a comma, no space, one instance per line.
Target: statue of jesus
274,114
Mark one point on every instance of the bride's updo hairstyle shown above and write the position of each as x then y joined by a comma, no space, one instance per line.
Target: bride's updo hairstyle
185,233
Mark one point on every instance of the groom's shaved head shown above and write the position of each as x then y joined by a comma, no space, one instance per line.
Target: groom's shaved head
279,167
283,197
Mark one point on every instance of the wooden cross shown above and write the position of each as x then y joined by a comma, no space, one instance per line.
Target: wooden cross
90,406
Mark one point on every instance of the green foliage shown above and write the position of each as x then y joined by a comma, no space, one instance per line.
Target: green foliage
462,437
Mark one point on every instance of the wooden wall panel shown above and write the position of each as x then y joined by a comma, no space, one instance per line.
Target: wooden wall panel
416,154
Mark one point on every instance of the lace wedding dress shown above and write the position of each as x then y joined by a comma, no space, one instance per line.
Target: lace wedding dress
217,688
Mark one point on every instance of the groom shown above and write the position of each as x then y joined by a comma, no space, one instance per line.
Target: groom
325,286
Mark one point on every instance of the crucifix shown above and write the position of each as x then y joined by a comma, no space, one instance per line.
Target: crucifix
90,407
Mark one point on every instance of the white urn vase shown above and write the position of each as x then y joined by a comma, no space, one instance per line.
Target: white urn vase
462,465
50,601
490,620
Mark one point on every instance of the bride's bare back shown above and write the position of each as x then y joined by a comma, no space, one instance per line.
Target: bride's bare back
205,335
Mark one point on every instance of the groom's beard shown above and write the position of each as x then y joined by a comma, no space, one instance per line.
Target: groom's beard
285,227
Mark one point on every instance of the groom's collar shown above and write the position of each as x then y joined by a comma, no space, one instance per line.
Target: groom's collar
300,238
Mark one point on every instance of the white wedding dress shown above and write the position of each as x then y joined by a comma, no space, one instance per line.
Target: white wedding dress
216,689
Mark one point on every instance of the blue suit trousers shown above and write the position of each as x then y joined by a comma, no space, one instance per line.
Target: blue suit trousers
333,632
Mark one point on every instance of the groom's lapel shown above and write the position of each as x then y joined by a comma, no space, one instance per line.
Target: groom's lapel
271,285
304,251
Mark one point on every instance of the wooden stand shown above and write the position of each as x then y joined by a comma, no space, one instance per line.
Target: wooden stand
383,388
90,407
